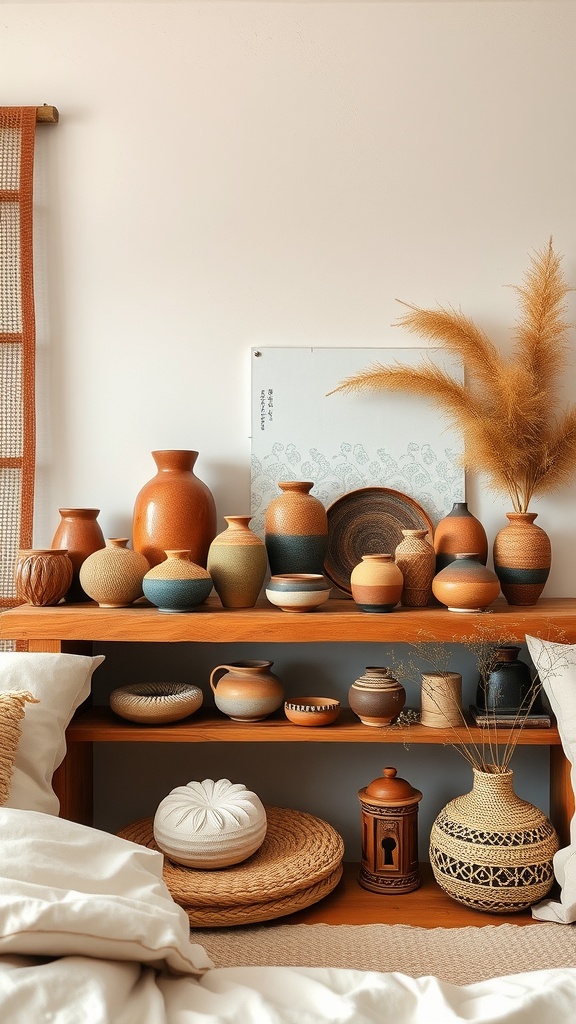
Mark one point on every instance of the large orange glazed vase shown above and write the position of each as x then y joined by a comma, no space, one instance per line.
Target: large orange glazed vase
175,510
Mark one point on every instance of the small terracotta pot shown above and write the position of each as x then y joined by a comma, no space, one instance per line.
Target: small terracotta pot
312,710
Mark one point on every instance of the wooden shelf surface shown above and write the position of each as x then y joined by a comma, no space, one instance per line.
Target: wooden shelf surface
339,620
426,907
101,725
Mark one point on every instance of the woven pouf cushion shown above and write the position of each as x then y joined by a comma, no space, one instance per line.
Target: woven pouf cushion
210,824
299,862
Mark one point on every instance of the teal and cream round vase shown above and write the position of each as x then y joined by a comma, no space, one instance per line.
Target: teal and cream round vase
491,850
296,529
177,584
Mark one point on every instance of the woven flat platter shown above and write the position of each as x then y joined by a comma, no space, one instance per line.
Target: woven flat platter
368,521
300,852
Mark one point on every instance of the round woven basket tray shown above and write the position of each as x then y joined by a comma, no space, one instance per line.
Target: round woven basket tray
299,862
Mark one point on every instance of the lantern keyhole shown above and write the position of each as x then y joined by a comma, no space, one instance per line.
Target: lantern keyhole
388,846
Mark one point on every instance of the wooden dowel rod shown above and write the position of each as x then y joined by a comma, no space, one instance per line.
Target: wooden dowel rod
47,115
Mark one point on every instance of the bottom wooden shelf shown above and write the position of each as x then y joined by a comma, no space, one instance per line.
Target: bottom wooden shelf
426,907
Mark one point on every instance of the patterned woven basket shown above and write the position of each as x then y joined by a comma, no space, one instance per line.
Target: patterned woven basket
491,850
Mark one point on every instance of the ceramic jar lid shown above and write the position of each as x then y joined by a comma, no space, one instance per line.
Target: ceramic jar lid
390,790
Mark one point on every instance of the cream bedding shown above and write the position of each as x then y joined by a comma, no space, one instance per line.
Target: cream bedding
90,935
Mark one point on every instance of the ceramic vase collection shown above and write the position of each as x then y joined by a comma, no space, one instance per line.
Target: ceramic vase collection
376,583
113,575
458,531
376,697
177,584
174,510
42,576
79,532
296,530
237,563
465,585
522,558
416,559
491,850
246,691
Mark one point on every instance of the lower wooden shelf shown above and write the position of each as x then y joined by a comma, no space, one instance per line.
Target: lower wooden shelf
426,907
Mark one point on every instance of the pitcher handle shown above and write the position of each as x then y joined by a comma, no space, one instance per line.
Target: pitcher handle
219,668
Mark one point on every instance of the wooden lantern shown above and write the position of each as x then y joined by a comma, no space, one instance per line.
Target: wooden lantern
389,835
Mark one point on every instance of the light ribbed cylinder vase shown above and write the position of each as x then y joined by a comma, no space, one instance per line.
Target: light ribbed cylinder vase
441,700
491,850
237,563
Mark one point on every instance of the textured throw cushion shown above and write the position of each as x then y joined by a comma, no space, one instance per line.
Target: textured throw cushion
71,890
556,667
12,709
59,683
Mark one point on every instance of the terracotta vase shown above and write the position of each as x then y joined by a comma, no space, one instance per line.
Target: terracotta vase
377,697
459,531
491,850
465,585
42,576
247,691
113,576
177,584
175,510
79,532
296,530
416,559
376,583
522,558
237,563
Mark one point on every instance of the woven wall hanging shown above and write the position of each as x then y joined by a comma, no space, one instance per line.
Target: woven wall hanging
17,338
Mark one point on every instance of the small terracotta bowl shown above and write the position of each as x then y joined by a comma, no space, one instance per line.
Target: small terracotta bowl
312,710
298,592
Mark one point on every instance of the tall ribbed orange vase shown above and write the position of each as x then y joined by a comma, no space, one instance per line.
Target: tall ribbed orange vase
175,510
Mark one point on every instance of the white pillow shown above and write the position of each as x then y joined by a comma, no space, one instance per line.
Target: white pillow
71,890
556,667
60,683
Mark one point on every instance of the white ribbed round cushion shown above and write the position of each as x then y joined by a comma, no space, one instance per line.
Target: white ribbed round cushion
210,824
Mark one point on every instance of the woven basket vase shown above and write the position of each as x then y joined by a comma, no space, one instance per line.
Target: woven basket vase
491,850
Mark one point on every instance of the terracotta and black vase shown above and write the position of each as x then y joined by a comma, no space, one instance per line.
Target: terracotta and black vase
296,530
522,558
376,583
465,585
459,531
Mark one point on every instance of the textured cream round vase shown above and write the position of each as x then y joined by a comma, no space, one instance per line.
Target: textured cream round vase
112,576
210,824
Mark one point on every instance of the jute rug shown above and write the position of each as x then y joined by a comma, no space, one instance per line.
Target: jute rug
460,956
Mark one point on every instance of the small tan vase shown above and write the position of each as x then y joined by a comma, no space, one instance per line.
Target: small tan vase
491,850
522,558
42,576
247,691
237,563
376,583
113,576
416,559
